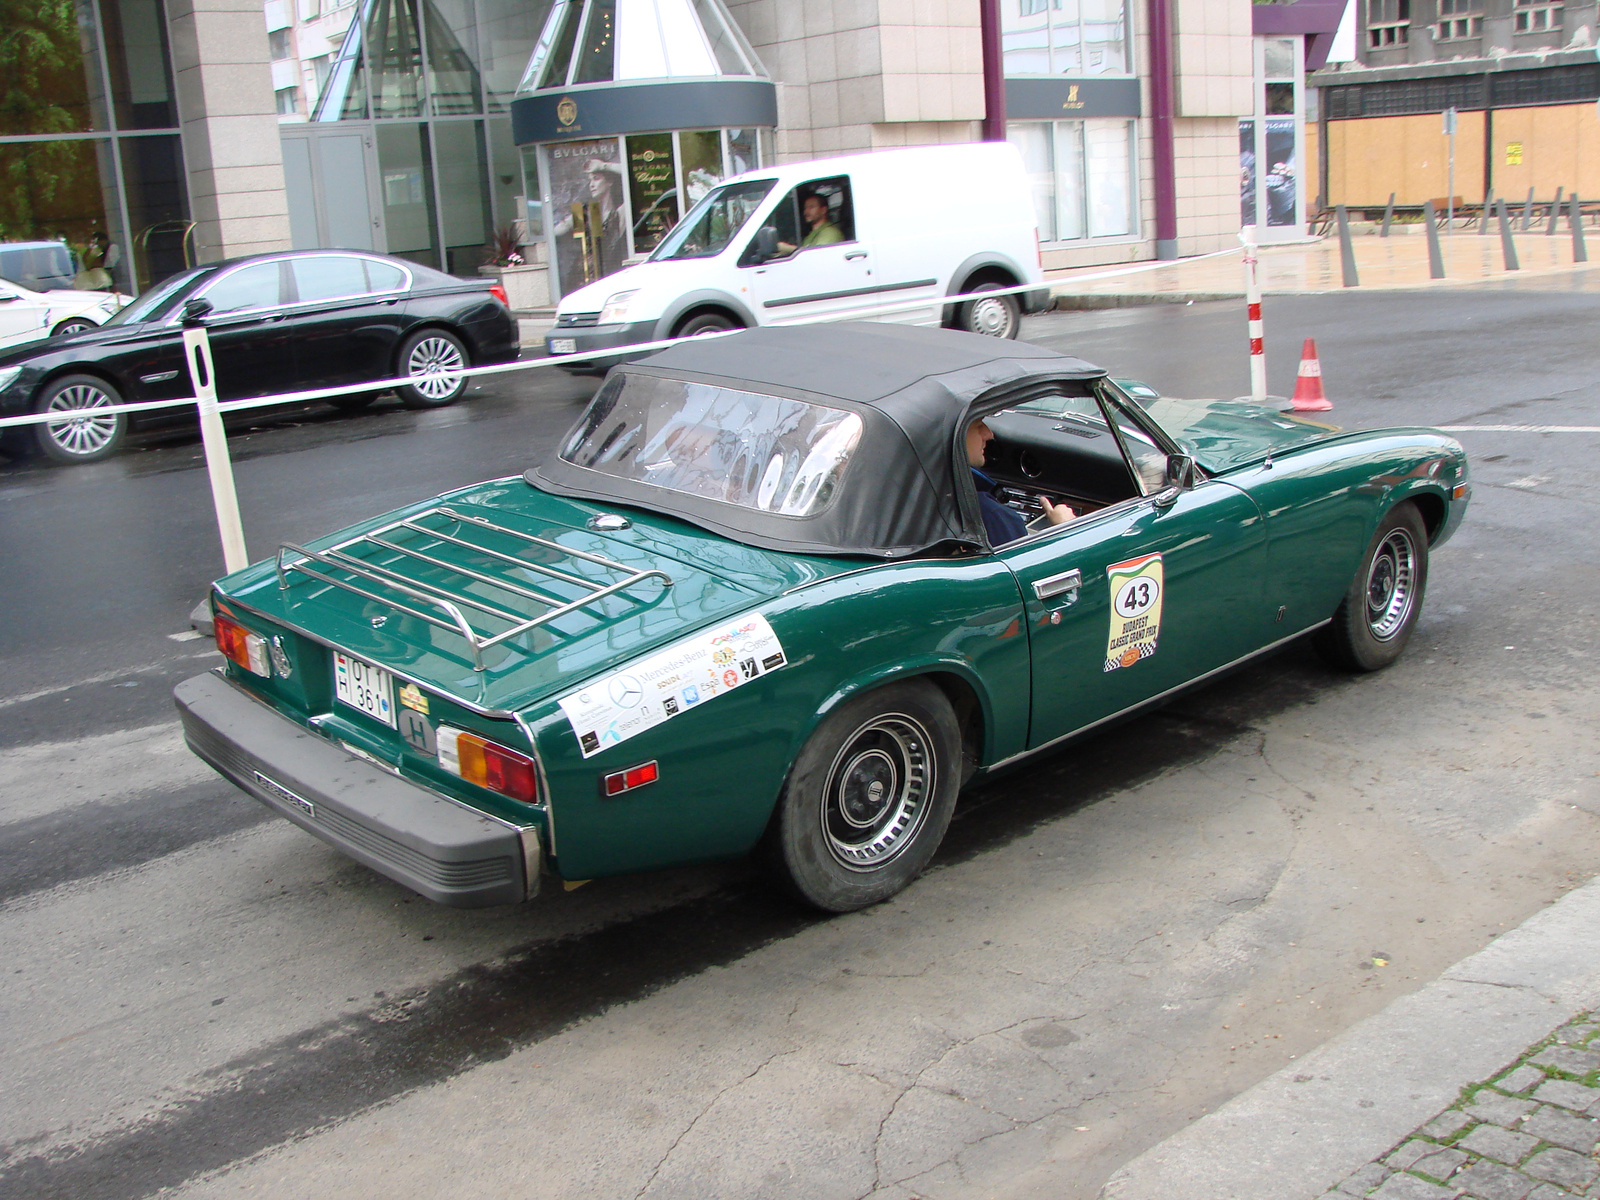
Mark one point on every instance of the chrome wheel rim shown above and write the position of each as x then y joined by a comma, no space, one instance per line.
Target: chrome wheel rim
992,318
435,365
1391,585
876,795
68,328
84,434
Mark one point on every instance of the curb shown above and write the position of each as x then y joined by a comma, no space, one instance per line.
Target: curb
1302,1131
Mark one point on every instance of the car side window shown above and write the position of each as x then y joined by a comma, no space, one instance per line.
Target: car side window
383,277
329,277
819,212
257,286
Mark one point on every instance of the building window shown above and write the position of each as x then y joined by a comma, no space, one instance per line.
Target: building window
1065,37
1388,23
1537,16
1459,19
278,46
288,101
1082,177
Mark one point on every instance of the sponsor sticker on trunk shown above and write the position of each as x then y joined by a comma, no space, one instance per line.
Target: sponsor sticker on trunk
671,681
1136,587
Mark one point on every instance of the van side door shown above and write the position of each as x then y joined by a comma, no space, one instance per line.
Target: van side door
806,258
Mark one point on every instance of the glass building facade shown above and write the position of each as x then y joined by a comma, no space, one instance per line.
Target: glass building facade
90,155
395,123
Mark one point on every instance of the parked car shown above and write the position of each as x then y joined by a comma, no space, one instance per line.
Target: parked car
896,226
277,323
28,316
748,604
40,266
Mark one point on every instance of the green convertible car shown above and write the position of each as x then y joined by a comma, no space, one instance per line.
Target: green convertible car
754,602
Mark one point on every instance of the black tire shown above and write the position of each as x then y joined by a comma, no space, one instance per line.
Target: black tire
1375,619
706,322
352,402
71,326
868,799
84,438
431,356
992,316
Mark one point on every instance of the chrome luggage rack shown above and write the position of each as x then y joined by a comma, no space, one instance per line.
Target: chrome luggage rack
425,538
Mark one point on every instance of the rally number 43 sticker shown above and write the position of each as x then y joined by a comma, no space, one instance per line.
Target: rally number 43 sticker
1136,587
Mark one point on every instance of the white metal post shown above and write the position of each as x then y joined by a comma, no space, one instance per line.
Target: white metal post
1252,295
197,353
1450,182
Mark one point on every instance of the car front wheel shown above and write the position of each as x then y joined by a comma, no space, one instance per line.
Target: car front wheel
433,359
708,322
73,325
83,435
868,799
1375,619
992,316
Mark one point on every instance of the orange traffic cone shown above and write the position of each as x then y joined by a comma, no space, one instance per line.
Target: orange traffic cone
1308,394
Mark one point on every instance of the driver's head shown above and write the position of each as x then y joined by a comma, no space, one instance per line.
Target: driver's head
978,437
813,208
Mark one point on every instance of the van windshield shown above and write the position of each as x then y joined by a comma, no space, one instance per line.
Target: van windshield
712,224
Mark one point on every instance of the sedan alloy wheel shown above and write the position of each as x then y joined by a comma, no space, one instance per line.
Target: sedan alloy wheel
433,360
86,435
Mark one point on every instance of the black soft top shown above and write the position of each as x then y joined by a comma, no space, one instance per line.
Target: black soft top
913,387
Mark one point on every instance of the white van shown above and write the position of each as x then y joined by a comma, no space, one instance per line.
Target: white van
828,239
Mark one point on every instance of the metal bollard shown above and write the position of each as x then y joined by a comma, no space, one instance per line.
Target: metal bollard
1483,215
1388,215
1508,248
1580,252
1555,213
1527,212
1257,331
1347,252
1435,256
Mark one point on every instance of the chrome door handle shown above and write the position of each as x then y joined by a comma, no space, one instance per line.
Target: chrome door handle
1054,585
855,254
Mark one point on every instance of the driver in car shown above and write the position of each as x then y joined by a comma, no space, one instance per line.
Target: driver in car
1002,523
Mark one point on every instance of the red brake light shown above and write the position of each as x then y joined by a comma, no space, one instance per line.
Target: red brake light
499,293
241,647
487,764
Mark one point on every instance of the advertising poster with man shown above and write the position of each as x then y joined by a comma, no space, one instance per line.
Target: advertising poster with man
593,240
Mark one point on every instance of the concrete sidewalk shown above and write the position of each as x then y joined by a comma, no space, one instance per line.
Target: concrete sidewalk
1481,1084
1397,262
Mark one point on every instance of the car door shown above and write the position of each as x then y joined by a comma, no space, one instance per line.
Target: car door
347,316
22,316
251,346
1131,601
795,282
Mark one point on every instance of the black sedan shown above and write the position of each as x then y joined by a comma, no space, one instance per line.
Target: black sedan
278,323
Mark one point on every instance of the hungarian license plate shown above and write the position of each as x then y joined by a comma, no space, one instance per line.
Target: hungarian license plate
563,345
364,687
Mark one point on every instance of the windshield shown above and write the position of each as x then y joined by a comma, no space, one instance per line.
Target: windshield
711,224
156,298
761,452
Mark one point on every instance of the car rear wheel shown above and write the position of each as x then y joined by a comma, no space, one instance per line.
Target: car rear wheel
1375,619
434,360
71,326
82,436
868,799
707,322
992,316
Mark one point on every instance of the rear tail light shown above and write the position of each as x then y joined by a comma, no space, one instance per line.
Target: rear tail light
488,764
499,293
241,647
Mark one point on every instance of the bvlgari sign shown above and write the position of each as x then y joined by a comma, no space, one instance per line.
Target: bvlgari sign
566,111
644,108
1042,99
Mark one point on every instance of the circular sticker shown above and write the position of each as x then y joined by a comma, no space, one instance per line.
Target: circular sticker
1136,596
730,678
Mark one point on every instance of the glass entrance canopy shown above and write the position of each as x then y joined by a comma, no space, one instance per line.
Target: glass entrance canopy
620,41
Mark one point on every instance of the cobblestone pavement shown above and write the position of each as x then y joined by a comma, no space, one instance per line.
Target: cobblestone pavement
1529,1133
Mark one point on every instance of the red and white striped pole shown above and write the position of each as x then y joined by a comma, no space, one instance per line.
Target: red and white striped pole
1252,295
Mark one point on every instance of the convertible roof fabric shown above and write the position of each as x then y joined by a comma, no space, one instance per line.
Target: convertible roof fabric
913,388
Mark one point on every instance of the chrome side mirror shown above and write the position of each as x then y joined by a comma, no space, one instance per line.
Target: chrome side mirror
1180,471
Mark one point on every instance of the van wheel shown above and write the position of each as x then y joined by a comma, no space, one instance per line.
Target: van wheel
992,316
706,322
868,799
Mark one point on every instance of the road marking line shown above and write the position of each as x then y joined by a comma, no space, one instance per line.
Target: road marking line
149,669
1518,428
188,635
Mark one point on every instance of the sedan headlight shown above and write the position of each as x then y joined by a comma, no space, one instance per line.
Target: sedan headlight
8,376
616,308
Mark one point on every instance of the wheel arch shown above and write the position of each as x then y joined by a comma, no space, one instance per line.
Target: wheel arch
93,369
689,306
980,269
1430,505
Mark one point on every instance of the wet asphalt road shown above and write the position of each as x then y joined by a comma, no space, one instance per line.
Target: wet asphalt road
199,984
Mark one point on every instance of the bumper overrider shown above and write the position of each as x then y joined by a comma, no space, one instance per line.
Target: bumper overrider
441,849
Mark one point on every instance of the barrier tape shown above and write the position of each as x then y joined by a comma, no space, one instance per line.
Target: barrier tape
378,385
